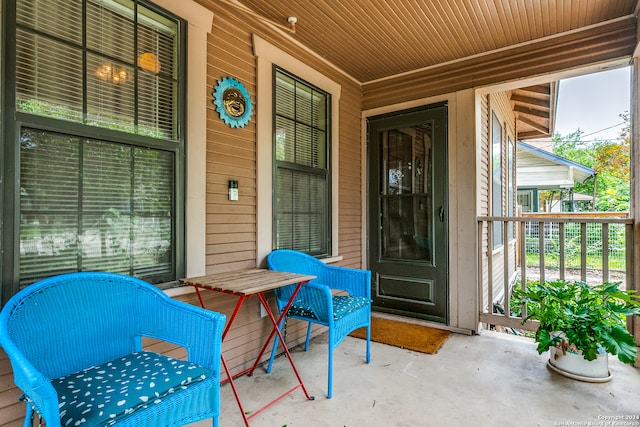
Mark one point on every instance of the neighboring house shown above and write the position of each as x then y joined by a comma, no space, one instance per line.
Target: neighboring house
379,134
538,169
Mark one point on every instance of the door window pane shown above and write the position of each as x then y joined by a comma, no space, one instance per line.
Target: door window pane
406,200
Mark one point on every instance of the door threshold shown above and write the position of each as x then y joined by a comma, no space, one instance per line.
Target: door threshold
422,322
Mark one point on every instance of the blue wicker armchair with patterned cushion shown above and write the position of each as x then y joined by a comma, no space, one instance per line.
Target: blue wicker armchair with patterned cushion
316,303
75,346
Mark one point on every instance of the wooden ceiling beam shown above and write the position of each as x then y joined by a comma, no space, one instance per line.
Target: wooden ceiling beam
541,89
531,111
537,102
529,135
537,126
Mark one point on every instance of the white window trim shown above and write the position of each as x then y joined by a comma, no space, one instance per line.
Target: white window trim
496,113
200,22
267,55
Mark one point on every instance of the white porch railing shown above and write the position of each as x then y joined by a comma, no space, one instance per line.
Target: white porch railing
593,247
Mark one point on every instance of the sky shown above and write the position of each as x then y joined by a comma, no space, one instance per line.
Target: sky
593,103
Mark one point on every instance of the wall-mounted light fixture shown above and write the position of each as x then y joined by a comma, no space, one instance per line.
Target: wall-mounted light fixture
233,189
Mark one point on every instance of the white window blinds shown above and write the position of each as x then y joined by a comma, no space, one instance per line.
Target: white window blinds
106,63
302,190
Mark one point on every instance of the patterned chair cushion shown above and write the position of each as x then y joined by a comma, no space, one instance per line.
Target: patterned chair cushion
102,395
302,310
342,305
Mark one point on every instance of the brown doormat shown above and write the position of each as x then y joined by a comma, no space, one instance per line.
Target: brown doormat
404,335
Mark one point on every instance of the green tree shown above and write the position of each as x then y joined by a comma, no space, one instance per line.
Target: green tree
609,158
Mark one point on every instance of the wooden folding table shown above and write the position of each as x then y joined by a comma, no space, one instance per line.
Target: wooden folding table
244,284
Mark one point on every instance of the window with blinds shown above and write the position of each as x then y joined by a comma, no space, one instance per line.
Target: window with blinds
106,63
496,178
94,205
511,177
99,149
302,171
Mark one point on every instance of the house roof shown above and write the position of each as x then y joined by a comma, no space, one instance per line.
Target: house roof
377,39
537,168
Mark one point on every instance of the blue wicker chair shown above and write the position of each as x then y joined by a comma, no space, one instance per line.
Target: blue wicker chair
315,302
75,346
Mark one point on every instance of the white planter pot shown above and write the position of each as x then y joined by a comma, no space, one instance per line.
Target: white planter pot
573,365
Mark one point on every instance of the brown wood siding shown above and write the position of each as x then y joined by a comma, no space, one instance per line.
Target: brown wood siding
350,175
231,154
11,410
614,40
231,226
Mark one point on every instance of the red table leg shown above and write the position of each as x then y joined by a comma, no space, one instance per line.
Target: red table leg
249,371
230,377
235,392
276,326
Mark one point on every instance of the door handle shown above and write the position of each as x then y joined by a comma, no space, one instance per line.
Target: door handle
441,213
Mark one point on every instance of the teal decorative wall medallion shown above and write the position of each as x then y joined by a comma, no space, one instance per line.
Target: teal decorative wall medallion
232,102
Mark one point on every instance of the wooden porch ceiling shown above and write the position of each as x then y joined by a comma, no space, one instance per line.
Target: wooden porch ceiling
377,39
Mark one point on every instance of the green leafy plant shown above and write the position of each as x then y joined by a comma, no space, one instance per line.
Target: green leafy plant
590,317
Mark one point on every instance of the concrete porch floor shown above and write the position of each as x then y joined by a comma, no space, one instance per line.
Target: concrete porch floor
491,379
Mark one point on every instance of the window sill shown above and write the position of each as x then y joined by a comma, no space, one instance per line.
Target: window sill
179,291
